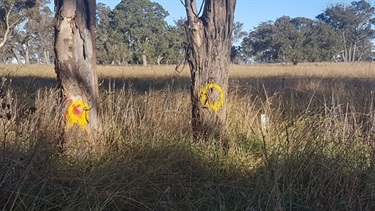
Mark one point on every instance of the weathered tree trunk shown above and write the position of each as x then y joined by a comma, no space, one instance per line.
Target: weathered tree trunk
210,39
76,71
17,55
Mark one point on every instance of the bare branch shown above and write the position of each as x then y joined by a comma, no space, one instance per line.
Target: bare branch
182,3
200,9
8,27
191,11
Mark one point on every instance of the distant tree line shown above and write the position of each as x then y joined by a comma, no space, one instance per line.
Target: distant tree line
135,32
340,33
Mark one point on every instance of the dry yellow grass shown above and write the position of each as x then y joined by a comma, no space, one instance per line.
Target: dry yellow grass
324,70
316,151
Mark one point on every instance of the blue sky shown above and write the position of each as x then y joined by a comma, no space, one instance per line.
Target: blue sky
253,12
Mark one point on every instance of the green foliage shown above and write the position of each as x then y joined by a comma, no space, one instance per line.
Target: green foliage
343,31
354,23
32,15
292,40
140,25
135,32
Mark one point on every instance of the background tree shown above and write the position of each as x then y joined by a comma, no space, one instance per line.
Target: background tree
75,68
36,44
292,40
354,23
111,48
208,55
140,24
12,14
25,40
169,47
236,55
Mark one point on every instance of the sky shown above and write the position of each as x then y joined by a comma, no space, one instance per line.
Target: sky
253,12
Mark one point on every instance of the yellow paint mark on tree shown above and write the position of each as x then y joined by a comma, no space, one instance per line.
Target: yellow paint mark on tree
212,96
77,113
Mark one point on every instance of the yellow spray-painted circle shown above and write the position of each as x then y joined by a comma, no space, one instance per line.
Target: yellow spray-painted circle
77,113
212,104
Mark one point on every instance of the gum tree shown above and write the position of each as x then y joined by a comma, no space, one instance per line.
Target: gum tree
208,53
76,71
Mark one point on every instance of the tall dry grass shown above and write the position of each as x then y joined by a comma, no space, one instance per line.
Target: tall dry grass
316,151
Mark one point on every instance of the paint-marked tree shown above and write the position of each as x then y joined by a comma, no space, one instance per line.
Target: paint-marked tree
76,71
208,54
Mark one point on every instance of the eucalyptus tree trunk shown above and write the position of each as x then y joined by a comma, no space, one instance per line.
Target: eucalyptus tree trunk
76,71
208,55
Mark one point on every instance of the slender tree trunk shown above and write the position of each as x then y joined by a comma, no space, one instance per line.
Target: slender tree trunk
144,60
209,38
76,71
159,59
346,53
27,56
17,55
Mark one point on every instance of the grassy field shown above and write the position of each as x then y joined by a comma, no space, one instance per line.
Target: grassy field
316,151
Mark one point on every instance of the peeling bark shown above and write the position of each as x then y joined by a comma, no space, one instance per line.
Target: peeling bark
76,70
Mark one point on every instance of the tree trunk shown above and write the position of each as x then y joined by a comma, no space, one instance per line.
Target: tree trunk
144,60
209,38
76,71
345,54
17,55
27,56
159,59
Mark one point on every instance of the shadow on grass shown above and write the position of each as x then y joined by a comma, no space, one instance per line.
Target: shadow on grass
158,175
173,177
139,85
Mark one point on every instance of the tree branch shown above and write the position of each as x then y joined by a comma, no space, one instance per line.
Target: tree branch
191,11
8,27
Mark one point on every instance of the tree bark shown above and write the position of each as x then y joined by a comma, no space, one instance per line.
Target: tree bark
76,71
208,55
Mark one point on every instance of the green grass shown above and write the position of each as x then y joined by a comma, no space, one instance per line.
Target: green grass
317,152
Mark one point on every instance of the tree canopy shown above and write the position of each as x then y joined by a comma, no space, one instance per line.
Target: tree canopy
136,31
